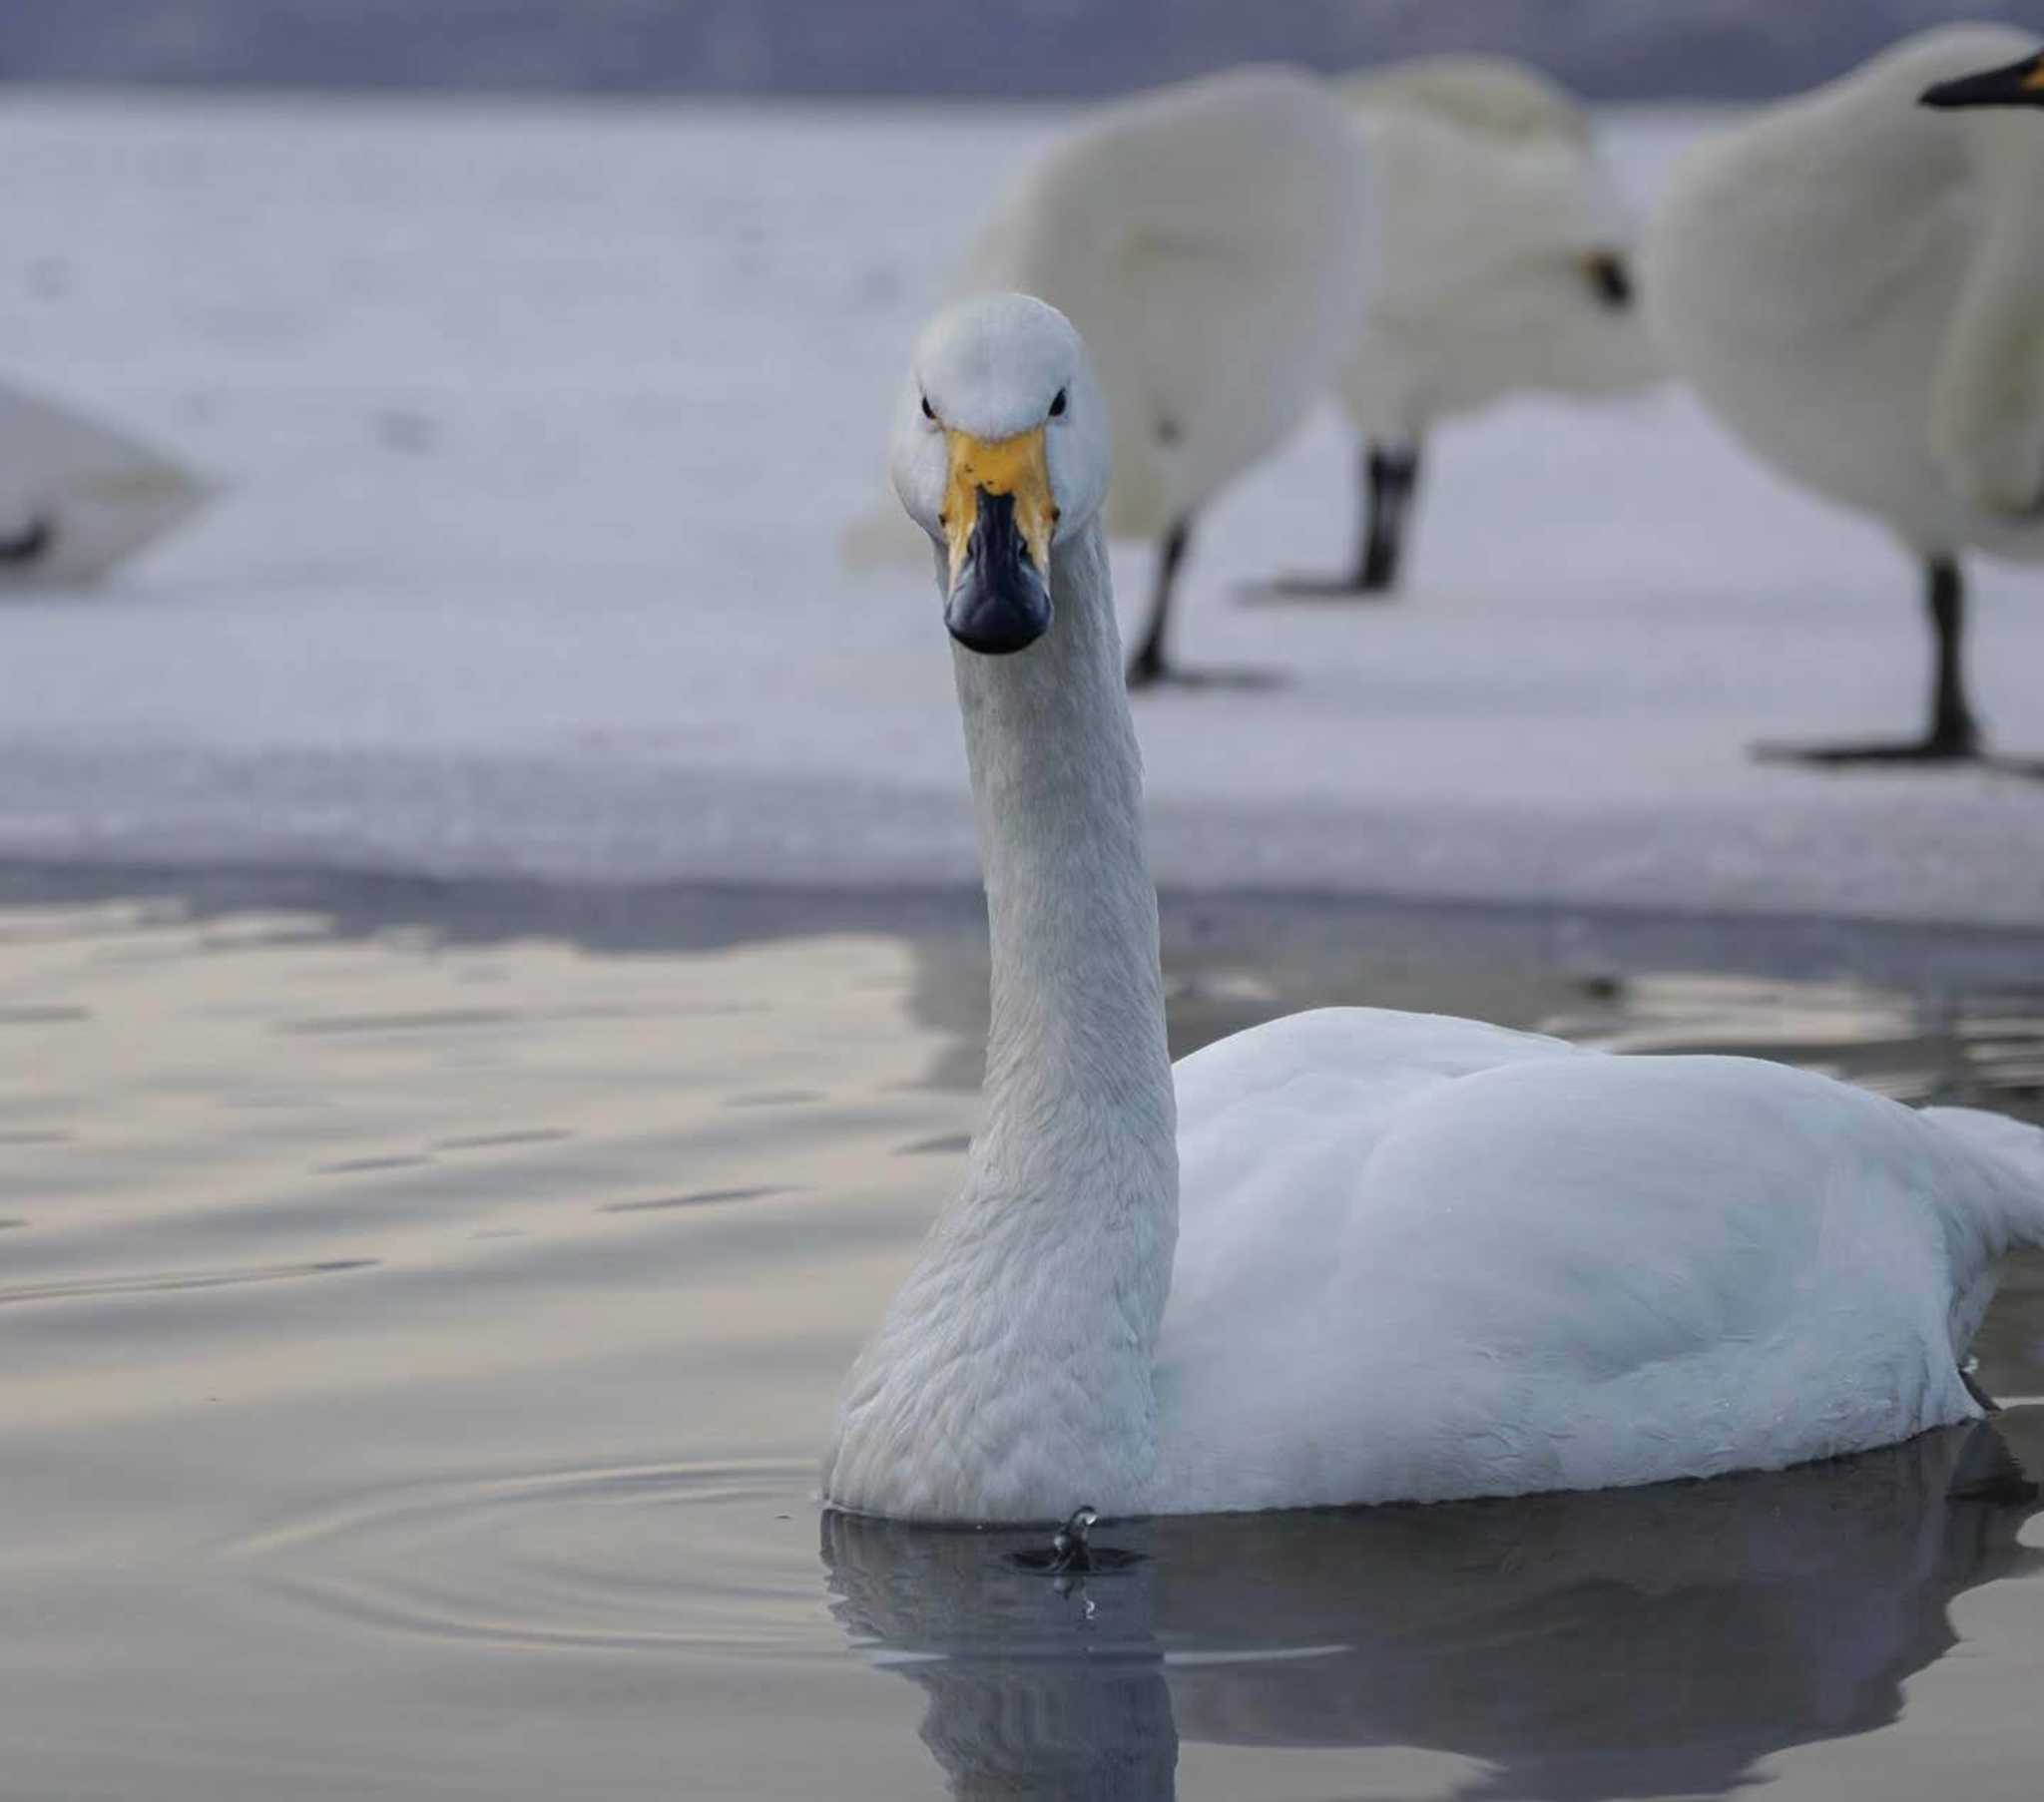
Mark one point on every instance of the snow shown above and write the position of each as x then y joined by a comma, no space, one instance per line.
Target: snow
541,421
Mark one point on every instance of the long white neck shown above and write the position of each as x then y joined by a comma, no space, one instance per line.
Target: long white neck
1077,1038
1012,1376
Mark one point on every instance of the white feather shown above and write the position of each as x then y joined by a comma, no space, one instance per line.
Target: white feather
1211,241
1854,283
1491,194
1210,244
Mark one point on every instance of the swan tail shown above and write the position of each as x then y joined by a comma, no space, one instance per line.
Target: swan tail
2014,1149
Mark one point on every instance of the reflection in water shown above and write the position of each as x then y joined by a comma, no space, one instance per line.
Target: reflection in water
1624,1644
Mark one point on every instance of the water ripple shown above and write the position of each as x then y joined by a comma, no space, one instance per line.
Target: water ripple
673,1559
165,1282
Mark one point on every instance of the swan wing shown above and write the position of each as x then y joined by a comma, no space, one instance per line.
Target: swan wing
1564,1270
1274,1127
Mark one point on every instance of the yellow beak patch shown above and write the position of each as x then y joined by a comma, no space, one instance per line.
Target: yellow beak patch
1018,466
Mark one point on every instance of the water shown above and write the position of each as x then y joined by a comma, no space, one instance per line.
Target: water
423,1309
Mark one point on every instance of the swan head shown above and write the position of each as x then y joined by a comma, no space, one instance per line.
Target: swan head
1000,450
2019,84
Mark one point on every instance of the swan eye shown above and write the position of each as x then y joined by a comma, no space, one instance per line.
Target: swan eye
1609,278
928,414
1057,407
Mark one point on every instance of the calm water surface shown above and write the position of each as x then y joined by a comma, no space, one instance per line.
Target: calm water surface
418,1337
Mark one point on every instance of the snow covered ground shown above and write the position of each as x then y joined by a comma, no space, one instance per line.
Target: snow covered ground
541,423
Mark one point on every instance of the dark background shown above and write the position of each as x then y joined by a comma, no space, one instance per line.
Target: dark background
1608,49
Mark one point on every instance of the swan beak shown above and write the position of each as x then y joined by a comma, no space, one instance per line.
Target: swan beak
998,520
2019,85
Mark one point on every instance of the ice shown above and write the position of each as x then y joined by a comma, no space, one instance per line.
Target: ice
541,422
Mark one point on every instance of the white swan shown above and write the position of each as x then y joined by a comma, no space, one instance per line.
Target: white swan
1854,285
1350,1255
1212,241
1503,267
76,498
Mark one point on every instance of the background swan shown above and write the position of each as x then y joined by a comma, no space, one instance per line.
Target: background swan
1504,266
1212,241
77,498
1350,1255
1854,285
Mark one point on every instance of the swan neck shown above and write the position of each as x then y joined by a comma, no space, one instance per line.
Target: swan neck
1012,1378
1989,380
1075,1050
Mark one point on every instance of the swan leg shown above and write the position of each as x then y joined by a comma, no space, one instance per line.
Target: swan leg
1389,476
1392,475
29,543
1953,736
1148,664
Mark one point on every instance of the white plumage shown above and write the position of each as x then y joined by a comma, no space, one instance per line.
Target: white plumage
1503,267
77,498
1352,1255
1423,1257
1854,283
1212,241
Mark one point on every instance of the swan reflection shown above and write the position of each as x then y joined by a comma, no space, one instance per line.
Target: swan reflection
1608,1644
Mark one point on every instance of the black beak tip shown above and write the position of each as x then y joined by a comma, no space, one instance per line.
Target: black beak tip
998,620
2010,87
999,604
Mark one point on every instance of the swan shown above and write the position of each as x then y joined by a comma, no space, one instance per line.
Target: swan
1211,240
1504,266
1854,286
1350,1255
76,498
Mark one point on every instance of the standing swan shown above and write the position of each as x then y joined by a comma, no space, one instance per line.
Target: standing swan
1854,283
1503,267
1349,1255
1212,241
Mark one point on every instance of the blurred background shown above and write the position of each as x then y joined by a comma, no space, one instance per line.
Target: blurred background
1605,49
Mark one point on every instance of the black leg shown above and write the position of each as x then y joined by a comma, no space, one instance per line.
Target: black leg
1389,476
1148,664
1954,732
1953,736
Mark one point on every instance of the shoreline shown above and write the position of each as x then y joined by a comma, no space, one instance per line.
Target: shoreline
1590,939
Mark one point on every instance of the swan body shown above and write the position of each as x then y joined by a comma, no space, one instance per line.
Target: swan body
1211,239
1350,1255
1854,284
77,498
1209,242
1421,1258
1503,267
